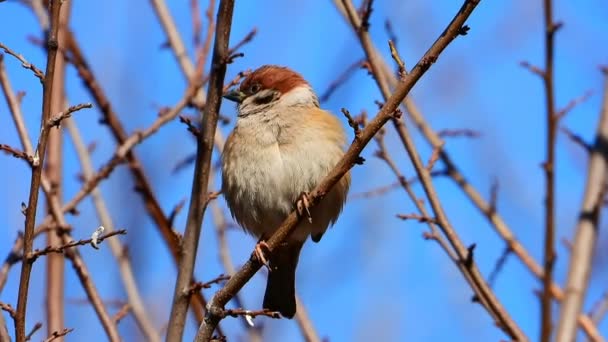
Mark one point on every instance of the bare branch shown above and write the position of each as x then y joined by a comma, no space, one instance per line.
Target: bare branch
55,121
24,63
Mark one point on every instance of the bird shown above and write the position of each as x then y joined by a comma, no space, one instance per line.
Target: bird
282,146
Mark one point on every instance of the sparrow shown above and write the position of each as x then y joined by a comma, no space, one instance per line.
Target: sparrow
281,148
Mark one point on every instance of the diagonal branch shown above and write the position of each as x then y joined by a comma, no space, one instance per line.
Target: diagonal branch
350,158
586,228
483,292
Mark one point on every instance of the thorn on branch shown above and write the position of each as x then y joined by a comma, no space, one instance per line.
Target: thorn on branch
577,139
57,334
360,160
419,218
365,13
464,30
468,262
195,287
231,57
533,69
178,207
350,70
451,133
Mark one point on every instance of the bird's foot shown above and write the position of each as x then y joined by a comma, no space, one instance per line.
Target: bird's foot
303,206
261,248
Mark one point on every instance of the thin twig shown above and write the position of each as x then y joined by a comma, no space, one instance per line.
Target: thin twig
55,121
24,63
58,334
60,249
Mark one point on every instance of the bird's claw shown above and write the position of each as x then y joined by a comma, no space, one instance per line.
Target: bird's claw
262,248
303,206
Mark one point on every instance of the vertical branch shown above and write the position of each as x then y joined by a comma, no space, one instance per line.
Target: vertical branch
30,217
200,197
55,263
586,229
549,168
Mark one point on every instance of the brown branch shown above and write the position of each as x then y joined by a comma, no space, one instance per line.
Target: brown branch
202,169
470,272
57,334
39,155
18,154
247,39
60,249
549,168
586,235
24,63
572,104
122,313
36,327
9,309
55,121
417,217
351,156
55,264
340,80
197,286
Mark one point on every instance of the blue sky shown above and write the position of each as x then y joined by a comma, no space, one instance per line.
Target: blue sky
372,276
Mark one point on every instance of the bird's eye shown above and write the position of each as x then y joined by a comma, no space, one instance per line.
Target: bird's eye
254,88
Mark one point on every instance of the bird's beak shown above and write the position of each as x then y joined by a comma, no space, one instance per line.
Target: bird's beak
235,95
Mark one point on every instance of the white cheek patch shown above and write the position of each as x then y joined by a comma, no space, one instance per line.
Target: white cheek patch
301,95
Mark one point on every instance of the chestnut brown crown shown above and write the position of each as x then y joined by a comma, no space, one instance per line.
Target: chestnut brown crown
281,79
266,84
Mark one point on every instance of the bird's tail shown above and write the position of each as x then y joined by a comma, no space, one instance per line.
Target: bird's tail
280,290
